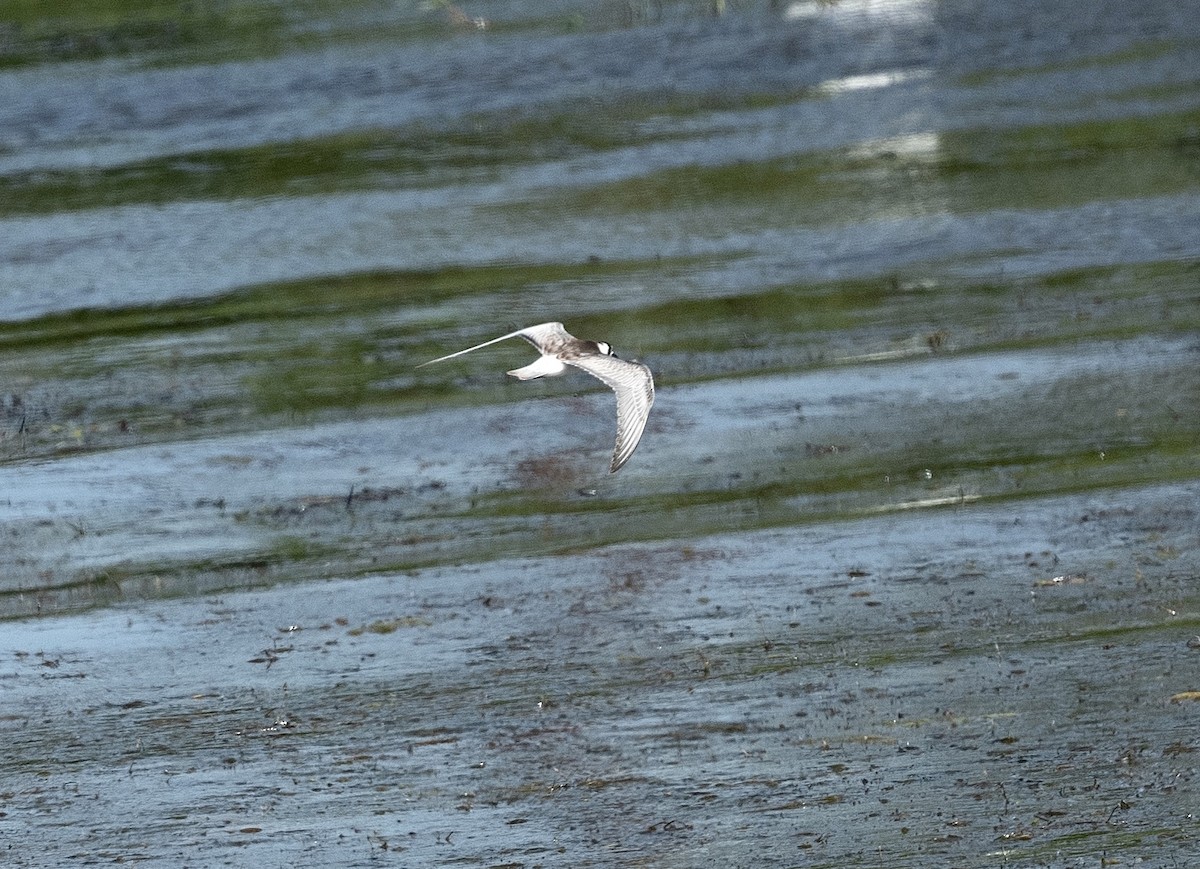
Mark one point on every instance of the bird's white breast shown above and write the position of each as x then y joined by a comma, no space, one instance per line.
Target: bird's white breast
544,366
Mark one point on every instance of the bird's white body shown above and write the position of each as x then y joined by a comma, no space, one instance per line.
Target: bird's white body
544,366
631,381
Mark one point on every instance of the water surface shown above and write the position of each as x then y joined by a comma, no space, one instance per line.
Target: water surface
904,570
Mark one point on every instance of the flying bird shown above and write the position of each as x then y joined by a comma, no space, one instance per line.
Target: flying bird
631,381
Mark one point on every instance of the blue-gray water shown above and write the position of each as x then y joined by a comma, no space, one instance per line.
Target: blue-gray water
904,572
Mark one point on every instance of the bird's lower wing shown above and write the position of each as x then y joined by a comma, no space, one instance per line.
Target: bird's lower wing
634,386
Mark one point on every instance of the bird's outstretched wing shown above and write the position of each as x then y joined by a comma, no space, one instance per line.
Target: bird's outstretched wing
537,335
634,385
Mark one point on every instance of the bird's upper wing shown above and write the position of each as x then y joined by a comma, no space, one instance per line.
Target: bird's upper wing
535,335
634,385
546,337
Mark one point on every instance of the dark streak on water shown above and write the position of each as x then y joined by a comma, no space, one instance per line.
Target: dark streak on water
904,574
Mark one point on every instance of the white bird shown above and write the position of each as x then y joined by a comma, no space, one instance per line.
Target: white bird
631,381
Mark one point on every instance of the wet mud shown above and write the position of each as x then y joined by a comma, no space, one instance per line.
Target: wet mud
966,685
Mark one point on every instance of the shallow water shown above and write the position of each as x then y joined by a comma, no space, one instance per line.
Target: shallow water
904,570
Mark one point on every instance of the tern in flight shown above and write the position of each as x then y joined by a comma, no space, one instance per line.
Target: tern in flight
631,381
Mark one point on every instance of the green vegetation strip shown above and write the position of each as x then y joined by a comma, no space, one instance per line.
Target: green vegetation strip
417,155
